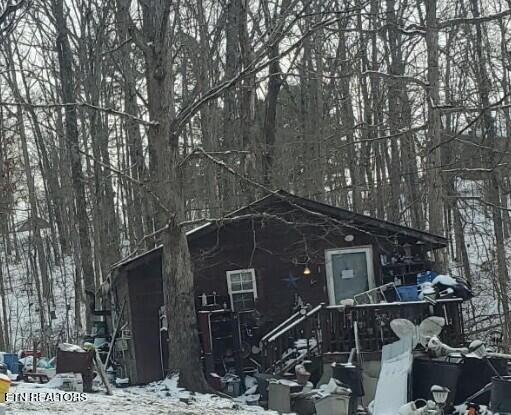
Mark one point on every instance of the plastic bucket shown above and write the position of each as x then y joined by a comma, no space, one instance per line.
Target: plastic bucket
500,401
5,384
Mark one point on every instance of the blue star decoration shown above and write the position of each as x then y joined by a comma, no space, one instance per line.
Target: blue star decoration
291,281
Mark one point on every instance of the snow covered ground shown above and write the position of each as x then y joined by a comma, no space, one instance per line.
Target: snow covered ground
157,398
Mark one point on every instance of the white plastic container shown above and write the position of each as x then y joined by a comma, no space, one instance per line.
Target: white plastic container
69,382
333,405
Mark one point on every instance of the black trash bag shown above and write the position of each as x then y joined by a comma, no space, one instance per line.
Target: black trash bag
453,287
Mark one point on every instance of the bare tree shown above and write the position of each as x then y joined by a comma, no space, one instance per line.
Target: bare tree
73,146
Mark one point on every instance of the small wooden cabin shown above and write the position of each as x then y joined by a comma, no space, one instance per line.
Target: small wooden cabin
255,268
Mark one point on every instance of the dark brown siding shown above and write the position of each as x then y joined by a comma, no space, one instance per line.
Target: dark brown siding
146,297
276,251
121,302
277,241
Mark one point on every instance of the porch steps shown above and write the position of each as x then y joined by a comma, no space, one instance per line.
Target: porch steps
303,326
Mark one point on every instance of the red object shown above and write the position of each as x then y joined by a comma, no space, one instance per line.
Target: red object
25,353
473,409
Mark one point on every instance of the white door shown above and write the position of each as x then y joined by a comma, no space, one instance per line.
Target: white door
349,271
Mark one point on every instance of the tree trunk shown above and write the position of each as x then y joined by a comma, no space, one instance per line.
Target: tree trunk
5,314
4,332
167,183
228,190
247,105
141,218
434,155
395,112
46,301
72,142
270,115
348,121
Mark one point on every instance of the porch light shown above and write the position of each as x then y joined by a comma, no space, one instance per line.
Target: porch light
440,394
420,245
306,271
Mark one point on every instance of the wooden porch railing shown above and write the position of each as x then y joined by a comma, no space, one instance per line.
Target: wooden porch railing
329,329
279,349
373,322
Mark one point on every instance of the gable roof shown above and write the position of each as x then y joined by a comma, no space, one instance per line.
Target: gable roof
378,227
344,216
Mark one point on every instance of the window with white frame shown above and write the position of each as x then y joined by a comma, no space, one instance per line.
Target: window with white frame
242,289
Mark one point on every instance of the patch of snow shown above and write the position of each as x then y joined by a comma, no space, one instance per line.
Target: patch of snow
302,343
129,259
445,280
162,398
66,380
68,347
332,388
287,382
250,382
122,381
197,228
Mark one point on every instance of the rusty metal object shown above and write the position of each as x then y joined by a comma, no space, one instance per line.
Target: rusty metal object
77,362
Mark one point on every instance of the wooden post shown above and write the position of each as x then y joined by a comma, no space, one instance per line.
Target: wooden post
34,357
102,372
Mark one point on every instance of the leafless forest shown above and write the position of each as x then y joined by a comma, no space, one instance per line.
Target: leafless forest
125,122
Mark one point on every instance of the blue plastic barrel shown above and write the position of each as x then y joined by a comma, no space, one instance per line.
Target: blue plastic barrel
11,361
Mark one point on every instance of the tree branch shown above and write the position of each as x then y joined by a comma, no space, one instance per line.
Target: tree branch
404,78
107,110
473,20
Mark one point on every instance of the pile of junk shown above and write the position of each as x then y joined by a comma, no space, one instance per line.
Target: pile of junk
417,374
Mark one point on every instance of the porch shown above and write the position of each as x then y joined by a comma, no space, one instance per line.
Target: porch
337,330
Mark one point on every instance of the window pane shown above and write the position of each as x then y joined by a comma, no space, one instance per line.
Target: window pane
247,285
235,286
237,302
248,301
350,271
247,296
246,276
235,278
243,301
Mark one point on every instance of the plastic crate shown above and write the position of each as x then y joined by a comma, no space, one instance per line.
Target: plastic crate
408,292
